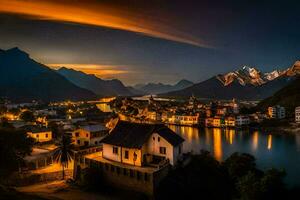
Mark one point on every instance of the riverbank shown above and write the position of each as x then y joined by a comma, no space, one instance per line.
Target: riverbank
288,128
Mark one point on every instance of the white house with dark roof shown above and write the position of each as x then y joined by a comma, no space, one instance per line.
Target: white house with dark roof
142,144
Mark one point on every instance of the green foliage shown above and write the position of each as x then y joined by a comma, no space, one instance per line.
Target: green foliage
27,116
14,146
236,178
249,187
4,123
203,176
239,165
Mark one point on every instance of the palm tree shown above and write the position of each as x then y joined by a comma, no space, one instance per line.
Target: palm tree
63,154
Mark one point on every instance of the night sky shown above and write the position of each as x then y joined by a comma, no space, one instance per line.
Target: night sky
164,41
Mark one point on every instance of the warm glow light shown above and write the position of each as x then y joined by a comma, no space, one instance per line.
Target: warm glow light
102,71
91,12
217,144
255,140
269,142
231,136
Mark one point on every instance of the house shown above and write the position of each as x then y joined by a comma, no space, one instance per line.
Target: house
154,116
141,144
297,114
188,120
230,122
242,120
135,156
40,134
218,122
89,135
276,112
209,122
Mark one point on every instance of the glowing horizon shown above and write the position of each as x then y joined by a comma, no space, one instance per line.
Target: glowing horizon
101,71
96,14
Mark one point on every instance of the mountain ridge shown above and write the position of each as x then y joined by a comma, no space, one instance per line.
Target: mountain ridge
22,79
246,83
95,84
156,88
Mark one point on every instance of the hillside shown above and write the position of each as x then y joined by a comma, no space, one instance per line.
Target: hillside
93,83
214,89
289,97
156,88
22,80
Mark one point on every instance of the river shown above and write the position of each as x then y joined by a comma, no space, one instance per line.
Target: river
270,150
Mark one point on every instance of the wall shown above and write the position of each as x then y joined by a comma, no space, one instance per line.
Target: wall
41,136
154,145
126,178
130,160
108,154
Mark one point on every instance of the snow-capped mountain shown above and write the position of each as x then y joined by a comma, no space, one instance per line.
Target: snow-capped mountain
251,75
248,83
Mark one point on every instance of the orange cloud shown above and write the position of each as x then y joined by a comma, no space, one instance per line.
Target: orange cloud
102,71
90,12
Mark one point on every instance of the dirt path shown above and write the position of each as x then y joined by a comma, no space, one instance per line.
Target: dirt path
59,190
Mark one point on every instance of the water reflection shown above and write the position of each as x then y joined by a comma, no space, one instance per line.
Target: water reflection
280,150
255,140
269,142
229,135
217,143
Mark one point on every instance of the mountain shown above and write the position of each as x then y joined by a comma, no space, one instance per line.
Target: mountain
156,88
93,83
289,97
247,84
22,79
135,91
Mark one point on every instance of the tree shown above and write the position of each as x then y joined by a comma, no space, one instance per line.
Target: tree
249,187
272,184
4,123
63,154
14,146
27,116
239,165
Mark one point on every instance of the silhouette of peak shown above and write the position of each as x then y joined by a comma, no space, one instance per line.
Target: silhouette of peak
16,52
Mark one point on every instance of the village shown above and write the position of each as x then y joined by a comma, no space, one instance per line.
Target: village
126,140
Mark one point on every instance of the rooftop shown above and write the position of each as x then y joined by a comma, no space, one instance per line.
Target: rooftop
94,128
135,135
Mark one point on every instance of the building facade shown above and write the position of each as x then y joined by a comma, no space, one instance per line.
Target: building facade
40,134
137,156
297,114
90,135
276,112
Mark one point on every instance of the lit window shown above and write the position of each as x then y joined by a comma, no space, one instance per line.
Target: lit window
126,156
162,150
115,150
